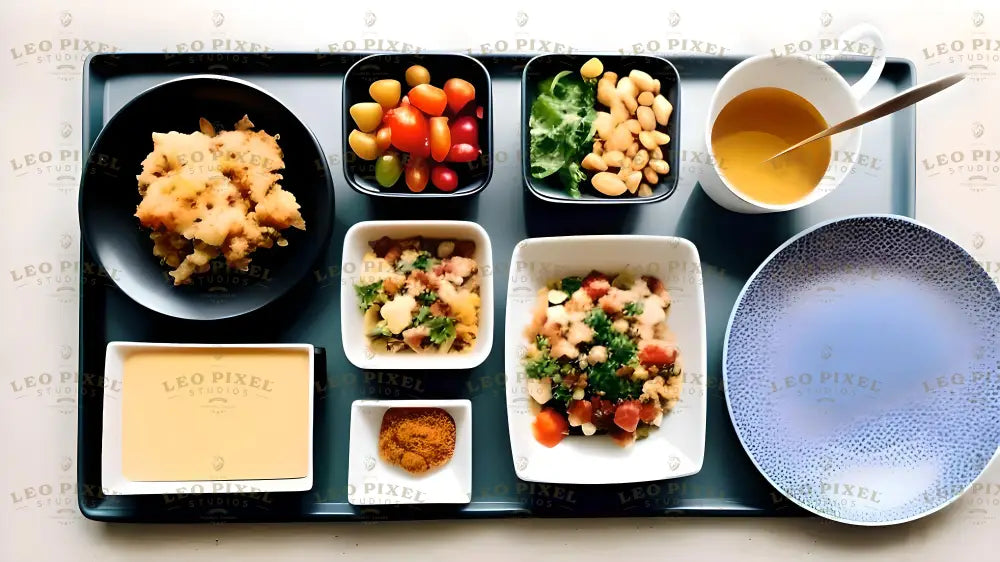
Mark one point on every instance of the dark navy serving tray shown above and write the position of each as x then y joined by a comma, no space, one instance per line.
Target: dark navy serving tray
731,247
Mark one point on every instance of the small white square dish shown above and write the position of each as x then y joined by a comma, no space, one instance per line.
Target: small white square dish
674,449
356,271
207,418
371,479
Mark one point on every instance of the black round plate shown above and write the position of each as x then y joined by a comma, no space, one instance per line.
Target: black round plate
109,196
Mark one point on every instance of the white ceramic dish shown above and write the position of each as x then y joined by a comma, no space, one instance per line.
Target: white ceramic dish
371,480
356,345
675,449
115,482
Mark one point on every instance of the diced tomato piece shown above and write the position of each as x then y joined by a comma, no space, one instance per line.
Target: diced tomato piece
549,427
603,413
596,285
627,415
648,411
580,412
622,438
657,354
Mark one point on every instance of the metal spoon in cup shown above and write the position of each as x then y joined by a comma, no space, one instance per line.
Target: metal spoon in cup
892,105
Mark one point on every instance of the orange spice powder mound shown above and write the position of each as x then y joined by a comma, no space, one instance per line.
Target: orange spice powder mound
417,439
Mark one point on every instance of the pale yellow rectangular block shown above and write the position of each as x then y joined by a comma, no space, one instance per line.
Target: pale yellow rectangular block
215,414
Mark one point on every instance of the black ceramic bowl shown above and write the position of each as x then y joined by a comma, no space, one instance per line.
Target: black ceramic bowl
472,176
545,66
109,196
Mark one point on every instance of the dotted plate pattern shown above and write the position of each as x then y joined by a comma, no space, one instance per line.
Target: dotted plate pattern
861,370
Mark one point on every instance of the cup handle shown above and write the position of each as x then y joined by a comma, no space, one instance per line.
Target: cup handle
858,33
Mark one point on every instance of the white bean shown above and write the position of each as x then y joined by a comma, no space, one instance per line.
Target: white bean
608,184
594,162
614,158
633,180
662,109
626,86
646,118
604,125
642,80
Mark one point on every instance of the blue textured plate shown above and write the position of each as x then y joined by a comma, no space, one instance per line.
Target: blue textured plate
861,369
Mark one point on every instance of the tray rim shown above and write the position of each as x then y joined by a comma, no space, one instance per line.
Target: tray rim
503,509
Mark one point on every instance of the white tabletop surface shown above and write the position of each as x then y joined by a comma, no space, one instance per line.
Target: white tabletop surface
40,114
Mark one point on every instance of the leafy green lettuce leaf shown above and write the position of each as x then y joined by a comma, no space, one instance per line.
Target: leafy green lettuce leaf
562,129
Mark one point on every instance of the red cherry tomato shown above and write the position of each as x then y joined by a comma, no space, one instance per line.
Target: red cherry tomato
459,92
418,171
440,138
462,153
409,129
444,178
549,427
383,138
479,111
465,129
429,99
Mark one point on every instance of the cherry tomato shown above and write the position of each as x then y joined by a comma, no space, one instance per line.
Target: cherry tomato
444,178
417,74
383,138
549,427
459,92
462,153
388,168
429,99
479,111
385,92
409,129
440,138
627,415
465,129
418,171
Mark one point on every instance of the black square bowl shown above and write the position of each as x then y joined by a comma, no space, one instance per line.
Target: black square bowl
545,66
472,176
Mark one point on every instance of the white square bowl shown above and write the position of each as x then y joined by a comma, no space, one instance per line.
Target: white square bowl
371,480
677,447
356,345
112,476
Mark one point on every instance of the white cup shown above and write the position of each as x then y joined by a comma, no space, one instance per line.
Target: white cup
814,80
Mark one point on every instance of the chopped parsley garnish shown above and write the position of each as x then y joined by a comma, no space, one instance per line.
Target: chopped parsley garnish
442,329
633,308
542,366
621,352
381,330
422,315
541,342
603,377
569,285
424,262
562,394
427,297
370,294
